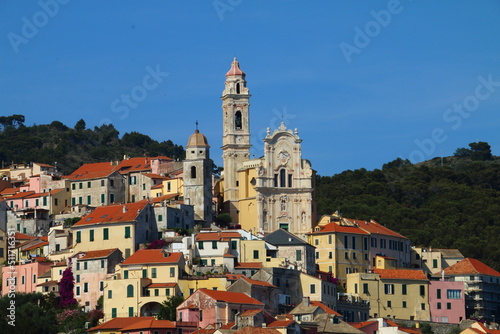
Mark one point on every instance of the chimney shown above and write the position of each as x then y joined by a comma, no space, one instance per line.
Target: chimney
306,301
124,208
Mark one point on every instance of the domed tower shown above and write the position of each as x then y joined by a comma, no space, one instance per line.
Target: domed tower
198,176
236,133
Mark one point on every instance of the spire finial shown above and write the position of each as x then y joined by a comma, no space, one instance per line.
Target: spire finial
196,125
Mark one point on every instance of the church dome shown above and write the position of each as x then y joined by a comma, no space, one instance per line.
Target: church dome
197,139
235,69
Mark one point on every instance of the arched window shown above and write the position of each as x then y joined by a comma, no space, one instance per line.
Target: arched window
193,172
238,88
282,178
130,290
237,120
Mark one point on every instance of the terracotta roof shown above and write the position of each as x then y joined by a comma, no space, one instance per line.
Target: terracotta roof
400,274
134,165
256,282
149,324
375,228
21,194
92,171
161,157
250,313
155,176
282,323
359,325
143,256
118,323
235,69
197,140
8,191
43,165
249,265
204,331
161,285
325,308
470,266
96,254
217,236
41,244
234,277
113,213
229,255
333,227
158,186
162,198
190,306
60,264
257,330
22,236
230,297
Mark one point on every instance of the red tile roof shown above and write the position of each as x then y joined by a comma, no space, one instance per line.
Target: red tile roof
149,324
359,325
470,266
134,165
249,265
41,244
325,308
333,227
22,194
156,176
92,171
230,297
163,198
22,236
256,282
144,256
48,283
118,323
250,313
400,274
281,323
217,236
8,191
96,254
113,213
257,330
375,228
234,277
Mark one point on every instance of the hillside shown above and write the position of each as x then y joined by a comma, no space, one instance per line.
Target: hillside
456,205
72,147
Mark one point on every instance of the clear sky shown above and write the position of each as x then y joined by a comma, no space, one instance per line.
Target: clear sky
365,82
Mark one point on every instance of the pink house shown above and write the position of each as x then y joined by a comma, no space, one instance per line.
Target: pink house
447,301
23,277
206,307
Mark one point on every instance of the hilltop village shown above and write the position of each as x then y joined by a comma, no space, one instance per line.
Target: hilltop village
243,251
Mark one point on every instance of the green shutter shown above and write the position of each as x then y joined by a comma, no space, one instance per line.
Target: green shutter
105,232
79,236
113,312
127,231
91,236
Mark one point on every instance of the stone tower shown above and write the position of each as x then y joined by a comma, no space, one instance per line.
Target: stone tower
198,169
236,134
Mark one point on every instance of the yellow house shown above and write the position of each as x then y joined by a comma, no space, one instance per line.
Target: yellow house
248,213
212,282
319,290
142,282
124,226
400,293
341,248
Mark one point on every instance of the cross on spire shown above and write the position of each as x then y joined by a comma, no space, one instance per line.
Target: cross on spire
196,124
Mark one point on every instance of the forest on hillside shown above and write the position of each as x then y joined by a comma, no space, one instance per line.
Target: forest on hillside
454,203
71,147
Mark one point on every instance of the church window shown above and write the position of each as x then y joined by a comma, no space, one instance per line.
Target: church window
237,120
289,180
193,172
282,178
275,180
238,88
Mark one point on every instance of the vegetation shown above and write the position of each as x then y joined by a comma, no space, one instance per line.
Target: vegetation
168,308
456,205
69,148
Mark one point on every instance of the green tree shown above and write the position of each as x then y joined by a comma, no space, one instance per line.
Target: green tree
80,125
168,308
480,151
462,152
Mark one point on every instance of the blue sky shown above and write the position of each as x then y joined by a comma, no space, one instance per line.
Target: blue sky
365,82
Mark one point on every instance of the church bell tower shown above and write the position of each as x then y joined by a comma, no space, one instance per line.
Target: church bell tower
236,134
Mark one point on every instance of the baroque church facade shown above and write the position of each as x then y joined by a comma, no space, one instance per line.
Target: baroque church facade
271,192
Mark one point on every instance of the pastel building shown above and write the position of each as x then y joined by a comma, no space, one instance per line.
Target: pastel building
24,277
447,301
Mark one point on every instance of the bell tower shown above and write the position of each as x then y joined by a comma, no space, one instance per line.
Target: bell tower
236,134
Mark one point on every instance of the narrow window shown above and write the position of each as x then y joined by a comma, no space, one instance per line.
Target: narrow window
193,172
282,178
237,92
105,233
290,177
237,120
130,290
